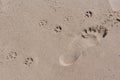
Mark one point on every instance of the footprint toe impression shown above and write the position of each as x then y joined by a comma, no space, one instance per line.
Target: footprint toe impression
92,35
102,31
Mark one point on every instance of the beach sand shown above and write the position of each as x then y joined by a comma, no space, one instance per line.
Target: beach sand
59,40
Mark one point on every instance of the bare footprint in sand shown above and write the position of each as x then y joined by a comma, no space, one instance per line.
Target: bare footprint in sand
90,37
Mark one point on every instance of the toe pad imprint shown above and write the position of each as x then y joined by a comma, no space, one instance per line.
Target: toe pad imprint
94,32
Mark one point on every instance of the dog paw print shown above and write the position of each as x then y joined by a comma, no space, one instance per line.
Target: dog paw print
11,55
58,29
68,18
42,23
88,14
112,22
28,61
112,19
95,32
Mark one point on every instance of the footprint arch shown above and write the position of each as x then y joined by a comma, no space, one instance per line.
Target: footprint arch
75,49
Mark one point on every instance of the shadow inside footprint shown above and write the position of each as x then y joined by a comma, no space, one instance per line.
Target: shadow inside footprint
118,19
28,61
58,29
88,14
94,32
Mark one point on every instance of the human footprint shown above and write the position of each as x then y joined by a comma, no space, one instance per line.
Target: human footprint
90,37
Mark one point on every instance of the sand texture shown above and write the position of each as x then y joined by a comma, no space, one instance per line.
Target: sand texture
59,40
115,4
